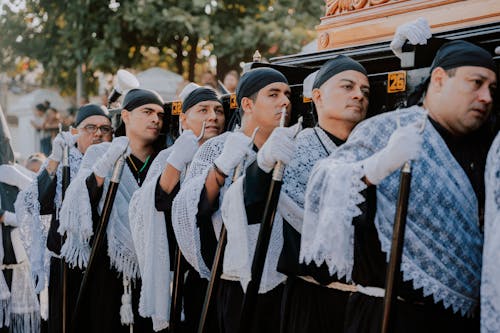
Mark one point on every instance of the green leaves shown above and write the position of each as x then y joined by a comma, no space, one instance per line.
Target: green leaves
143,33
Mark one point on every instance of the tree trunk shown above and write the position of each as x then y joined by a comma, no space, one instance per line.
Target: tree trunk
192,56
180,57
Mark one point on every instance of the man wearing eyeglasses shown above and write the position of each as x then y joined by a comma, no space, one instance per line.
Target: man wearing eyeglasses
44,197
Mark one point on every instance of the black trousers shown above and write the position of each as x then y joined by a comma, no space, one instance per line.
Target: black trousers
230,300
74,279
195,289
364,315
307,307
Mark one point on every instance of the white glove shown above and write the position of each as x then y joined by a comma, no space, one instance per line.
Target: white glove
62,139
10,175
416,32
404,145
236,147
183,150
9,218
280,146
105,164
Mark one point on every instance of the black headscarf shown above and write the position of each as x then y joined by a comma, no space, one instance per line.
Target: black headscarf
256,79
451,55
139,97
199,95
136,98
89,110
334,66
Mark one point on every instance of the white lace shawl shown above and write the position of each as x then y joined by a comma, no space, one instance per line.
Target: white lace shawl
19,306
76,218
149,233
442,250
490,286
185,205
34,227
312,145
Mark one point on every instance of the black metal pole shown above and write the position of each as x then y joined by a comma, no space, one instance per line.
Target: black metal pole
64,268
250,298
99,238
394,267
266,227
177,291
215,274
216,270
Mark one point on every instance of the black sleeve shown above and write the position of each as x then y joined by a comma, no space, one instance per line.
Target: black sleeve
255,191
208,238
164,200
46,192
95,192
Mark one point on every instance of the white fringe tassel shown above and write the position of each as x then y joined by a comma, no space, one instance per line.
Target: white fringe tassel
126,313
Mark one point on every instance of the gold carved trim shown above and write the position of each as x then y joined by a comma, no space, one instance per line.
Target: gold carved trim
339,6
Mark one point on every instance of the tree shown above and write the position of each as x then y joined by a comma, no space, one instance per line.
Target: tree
65,35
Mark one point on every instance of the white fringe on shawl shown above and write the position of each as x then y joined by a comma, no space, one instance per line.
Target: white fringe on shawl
149,233
34,227
185,205
442,250
76,218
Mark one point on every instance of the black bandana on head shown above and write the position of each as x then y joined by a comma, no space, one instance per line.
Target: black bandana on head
199,95
256,79
332,67
461,53
89,110
139,97
452,55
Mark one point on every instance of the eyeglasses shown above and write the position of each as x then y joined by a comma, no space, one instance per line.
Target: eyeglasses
91,129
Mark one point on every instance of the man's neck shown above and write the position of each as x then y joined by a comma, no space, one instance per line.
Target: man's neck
140,149
260,137
340,130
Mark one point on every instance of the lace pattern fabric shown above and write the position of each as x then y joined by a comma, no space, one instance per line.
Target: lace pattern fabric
35,227
442,249
312,145
76,218
185,205
490,286
149,233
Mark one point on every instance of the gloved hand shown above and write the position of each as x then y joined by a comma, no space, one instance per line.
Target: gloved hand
183,150
105,164
236,147
280,146
62,139
416,32
403,145
9,218
10,175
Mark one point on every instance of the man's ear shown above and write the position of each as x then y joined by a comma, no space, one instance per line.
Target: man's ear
125,116
438,78
246,104
316,96
182,119
74,131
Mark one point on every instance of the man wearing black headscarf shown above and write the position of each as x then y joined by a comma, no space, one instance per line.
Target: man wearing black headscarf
314,301
44,197
111,301
447,142
261,94
202,118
